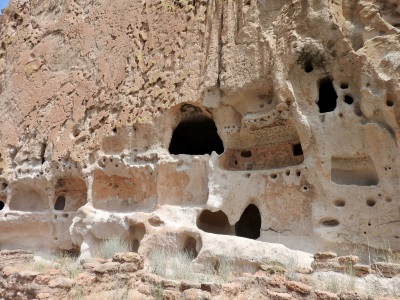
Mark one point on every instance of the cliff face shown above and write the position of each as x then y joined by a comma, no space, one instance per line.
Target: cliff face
111,110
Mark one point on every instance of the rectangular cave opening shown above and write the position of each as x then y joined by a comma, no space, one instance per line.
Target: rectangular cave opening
354,171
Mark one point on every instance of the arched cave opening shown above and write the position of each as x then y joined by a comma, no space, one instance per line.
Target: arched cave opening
190,247
214,222
60,203
196,136
249,224
327,95
2,205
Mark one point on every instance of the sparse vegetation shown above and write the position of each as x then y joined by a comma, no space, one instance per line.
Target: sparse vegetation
157,292
178,265
291,268
69,263
111,246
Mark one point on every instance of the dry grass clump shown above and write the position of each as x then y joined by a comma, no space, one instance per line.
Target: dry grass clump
111,246
178,265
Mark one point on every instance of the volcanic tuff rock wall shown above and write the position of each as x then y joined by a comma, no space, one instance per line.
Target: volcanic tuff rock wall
109,108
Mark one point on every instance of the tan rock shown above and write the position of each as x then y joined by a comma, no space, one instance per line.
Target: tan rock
276,281
324,295
108,267
279,296
42,279
352,296
61,282
386,269
362,270
85,279
195,294
348,260
325,256
298,287
129,257
43,296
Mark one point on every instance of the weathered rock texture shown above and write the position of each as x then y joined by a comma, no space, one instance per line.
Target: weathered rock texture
111,110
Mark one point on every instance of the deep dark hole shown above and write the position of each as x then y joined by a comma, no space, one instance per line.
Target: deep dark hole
249,224
389,103
214,222
344,86
308,67
371,202
43,152
196,136
327,96
297,150
1,205
245,153
348,99
60,203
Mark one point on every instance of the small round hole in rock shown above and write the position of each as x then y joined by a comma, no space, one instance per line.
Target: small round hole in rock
287,172
348,99
389,103
388,200
340,203
60,203
344,85
298,173
76,132
371,202
65,216
330,223
308,67
273,176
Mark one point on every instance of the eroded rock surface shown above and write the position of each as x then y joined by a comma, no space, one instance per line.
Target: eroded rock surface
184,124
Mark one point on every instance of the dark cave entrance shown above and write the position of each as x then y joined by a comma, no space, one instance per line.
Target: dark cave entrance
214,222
249,224
327,96
2,205
196,136
60,203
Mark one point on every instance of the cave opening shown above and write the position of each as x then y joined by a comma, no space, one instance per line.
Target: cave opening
196,136
60,203
249,224
297,149
327,96
190,247
2,205
214,222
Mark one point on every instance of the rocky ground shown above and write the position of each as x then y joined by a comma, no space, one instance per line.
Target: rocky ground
25,276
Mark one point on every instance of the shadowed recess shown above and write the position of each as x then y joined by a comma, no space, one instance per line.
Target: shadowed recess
196,136
249,224
214,222
327,96
60,203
